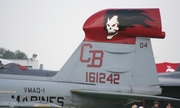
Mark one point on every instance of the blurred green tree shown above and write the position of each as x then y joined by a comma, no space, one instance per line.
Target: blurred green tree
7,54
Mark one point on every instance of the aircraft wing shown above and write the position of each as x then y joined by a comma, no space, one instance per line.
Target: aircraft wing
116,95
8,104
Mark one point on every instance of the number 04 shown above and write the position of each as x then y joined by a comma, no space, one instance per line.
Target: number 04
143,45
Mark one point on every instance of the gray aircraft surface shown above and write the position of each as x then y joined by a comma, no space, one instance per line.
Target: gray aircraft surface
114,64
170,84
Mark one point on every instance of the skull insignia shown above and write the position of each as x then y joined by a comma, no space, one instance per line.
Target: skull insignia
112,26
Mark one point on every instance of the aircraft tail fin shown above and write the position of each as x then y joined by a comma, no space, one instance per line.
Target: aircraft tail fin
117,51
178,68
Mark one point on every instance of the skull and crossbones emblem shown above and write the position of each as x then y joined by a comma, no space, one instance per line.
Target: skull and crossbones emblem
112,26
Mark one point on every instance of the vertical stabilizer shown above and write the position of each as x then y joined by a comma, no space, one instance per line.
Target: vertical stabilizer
178,68
116,50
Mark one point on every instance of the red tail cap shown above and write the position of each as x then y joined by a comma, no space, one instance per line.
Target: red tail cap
123,25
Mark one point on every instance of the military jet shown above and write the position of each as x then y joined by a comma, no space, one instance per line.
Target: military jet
17,69
170,78
114,64
170,84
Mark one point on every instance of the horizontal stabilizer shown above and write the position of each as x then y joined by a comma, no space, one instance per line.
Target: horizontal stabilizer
116,95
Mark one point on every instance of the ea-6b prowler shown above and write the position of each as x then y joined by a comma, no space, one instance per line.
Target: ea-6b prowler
114,64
